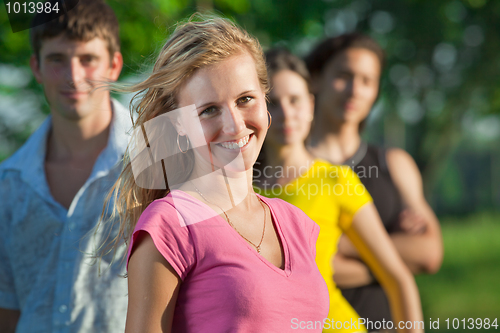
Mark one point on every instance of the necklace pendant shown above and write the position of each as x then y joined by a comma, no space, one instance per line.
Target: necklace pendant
258,249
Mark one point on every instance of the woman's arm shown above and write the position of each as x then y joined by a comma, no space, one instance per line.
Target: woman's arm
422,252
419,243
350,272
377,250
153,286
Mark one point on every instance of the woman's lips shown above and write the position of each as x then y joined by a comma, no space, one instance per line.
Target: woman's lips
236,144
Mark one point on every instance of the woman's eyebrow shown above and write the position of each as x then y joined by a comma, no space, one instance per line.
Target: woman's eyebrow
246,92
213,103
205,105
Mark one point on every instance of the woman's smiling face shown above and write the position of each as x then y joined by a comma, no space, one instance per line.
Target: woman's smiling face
231,108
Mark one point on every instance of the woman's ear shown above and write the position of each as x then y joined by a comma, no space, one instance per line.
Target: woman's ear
181,118
178,126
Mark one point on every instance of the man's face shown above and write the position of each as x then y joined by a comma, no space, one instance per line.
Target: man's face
69,72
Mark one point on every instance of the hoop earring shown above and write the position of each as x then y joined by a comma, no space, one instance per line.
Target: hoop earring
270,119
187,144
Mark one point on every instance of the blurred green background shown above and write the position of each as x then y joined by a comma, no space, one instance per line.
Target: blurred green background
440,101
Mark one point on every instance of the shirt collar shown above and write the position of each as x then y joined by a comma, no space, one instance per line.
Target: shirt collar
29,160
117,142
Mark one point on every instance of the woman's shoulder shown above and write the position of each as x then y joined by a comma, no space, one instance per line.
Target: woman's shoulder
330,170
403,170
390,158
157,215
169,232
160,204
177,208
397,157
164,206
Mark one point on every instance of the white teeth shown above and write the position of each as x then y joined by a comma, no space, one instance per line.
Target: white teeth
233,145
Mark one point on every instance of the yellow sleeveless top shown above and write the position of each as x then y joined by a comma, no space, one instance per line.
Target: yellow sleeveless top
330,195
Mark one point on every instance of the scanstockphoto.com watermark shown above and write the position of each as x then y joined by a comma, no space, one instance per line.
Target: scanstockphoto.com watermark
292,172
313,189
356,324
264,179
461,324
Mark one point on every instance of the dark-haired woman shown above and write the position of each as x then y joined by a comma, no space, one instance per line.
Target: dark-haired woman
331,195
345,73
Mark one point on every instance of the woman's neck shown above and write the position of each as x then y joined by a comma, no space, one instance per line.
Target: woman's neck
335,142
223,187
286,162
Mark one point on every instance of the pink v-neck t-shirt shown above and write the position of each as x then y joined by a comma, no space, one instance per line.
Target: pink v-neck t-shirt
226,285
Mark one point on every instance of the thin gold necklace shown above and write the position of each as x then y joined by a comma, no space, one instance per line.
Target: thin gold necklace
257,247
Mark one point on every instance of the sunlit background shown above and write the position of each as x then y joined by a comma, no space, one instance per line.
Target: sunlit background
440,101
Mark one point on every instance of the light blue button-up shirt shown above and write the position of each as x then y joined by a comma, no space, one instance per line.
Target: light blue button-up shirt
45,268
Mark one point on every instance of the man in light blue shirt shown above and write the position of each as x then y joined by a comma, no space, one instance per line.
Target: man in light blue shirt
53,188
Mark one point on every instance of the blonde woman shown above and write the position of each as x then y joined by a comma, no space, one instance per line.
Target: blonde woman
206,253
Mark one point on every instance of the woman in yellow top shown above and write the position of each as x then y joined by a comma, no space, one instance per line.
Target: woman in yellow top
333,197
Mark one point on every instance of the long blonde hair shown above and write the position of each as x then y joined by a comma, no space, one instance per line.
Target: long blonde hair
193,45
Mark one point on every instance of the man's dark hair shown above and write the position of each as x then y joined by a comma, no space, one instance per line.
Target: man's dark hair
331,47
87,20
279,59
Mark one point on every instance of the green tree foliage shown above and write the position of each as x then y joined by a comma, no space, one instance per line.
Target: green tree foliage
440,91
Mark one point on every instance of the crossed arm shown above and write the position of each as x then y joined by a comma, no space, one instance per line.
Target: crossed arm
377,250
419,243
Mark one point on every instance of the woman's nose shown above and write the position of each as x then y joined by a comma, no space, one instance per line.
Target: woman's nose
354,87
233,121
